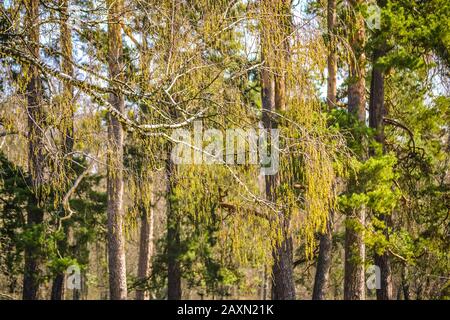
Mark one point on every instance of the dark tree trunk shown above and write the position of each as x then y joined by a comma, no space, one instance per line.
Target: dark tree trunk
326,239
386,291
173,216
324,262
36,123
274,99
31,278
67,111
354,284
173,235
283,287
405,284
116,239
58,287
377,111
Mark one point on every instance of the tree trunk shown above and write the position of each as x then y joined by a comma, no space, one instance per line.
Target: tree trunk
173,217
145,249
376,113
173,234
332,57
356,87
58,287
386,291
35,214
67,111
116,240
146,207
326,239
405,284
276,56
377,110
283,286
354,285
324,262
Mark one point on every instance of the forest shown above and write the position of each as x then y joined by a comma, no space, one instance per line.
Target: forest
224,149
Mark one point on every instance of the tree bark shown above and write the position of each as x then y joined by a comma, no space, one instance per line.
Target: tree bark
58,287
324,262
276,22
174,291
326,239
116,240
357,76
67,111
173,234
332,57
377,109
145,249
147,207
67,68
405,284
354,285
283,286
386,291
36,123
377,112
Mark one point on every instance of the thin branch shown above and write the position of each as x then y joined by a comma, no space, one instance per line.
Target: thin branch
70,192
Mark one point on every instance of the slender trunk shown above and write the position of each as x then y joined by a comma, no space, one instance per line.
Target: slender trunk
405,284
376,104
58,287
67,112
324,262
264,284
376,113
35,214
67,68
357,74
354,285
173,217
173,234
116,240
274,99
386,291
145,249
332,57
282,270
146,207
283,286
326,239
